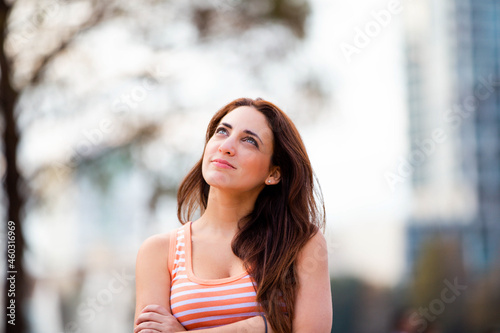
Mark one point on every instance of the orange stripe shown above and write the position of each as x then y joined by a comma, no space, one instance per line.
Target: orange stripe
203,314
215,322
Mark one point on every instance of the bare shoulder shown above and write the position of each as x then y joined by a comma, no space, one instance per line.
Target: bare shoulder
154,246
318,239
315,245
314,255
156,241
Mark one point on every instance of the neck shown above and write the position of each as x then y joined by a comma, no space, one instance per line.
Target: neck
225,209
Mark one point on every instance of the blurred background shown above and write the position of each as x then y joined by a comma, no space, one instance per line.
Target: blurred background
104,109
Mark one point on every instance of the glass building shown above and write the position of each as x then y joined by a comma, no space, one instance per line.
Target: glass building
453,80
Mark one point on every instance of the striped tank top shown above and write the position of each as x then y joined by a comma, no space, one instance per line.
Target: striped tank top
199,303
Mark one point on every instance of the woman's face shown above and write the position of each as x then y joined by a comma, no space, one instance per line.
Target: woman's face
238,155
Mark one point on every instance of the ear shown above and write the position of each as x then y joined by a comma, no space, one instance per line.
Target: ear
274,176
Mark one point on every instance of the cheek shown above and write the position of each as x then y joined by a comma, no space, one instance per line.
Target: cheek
211,145
210,149
259,166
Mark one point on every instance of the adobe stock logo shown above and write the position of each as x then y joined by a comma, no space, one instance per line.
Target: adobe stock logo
437,306
453,118
372,29
88,309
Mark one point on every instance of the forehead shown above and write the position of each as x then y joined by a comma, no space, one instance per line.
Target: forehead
248,118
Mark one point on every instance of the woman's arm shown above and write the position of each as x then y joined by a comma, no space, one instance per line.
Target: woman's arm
152,281
313,305
166,323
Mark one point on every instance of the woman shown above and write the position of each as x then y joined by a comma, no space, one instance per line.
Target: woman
254,261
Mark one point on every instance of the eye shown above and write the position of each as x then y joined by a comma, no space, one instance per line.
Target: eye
251,140
221,130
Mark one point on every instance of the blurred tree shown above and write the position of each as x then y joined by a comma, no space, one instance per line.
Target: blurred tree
429,273
30,54
241,15
483,305
438,268
12,178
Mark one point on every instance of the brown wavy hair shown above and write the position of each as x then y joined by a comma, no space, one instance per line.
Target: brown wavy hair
284,218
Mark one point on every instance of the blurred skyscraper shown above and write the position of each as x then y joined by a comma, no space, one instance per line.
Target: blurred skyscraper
453,78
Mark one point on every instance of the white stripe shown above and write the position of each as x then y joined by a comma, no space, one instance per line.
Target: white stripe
180,237
180,277
176,261
180,245
180,252
216,308
208,290
215,298
200,320
185,284
180,231
180,268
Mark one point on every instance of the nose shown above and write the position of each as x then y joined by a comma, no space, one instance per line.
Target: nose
227,147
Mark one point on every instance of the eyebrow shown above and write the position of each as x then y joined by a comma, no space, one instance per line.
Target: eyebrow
245,131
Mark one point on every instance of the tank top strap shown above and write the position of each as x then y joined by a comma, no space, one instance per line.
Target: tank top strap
177,251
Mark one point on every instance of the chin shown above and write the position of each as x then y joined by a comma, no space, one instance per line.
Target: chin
217,182
224,185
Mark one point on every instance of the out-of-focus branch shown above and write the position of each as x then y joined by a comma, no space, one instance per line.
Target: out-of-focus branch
5,65
100,14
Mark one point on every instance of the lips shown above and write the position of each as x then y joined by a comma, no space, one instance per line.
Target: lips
222,163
